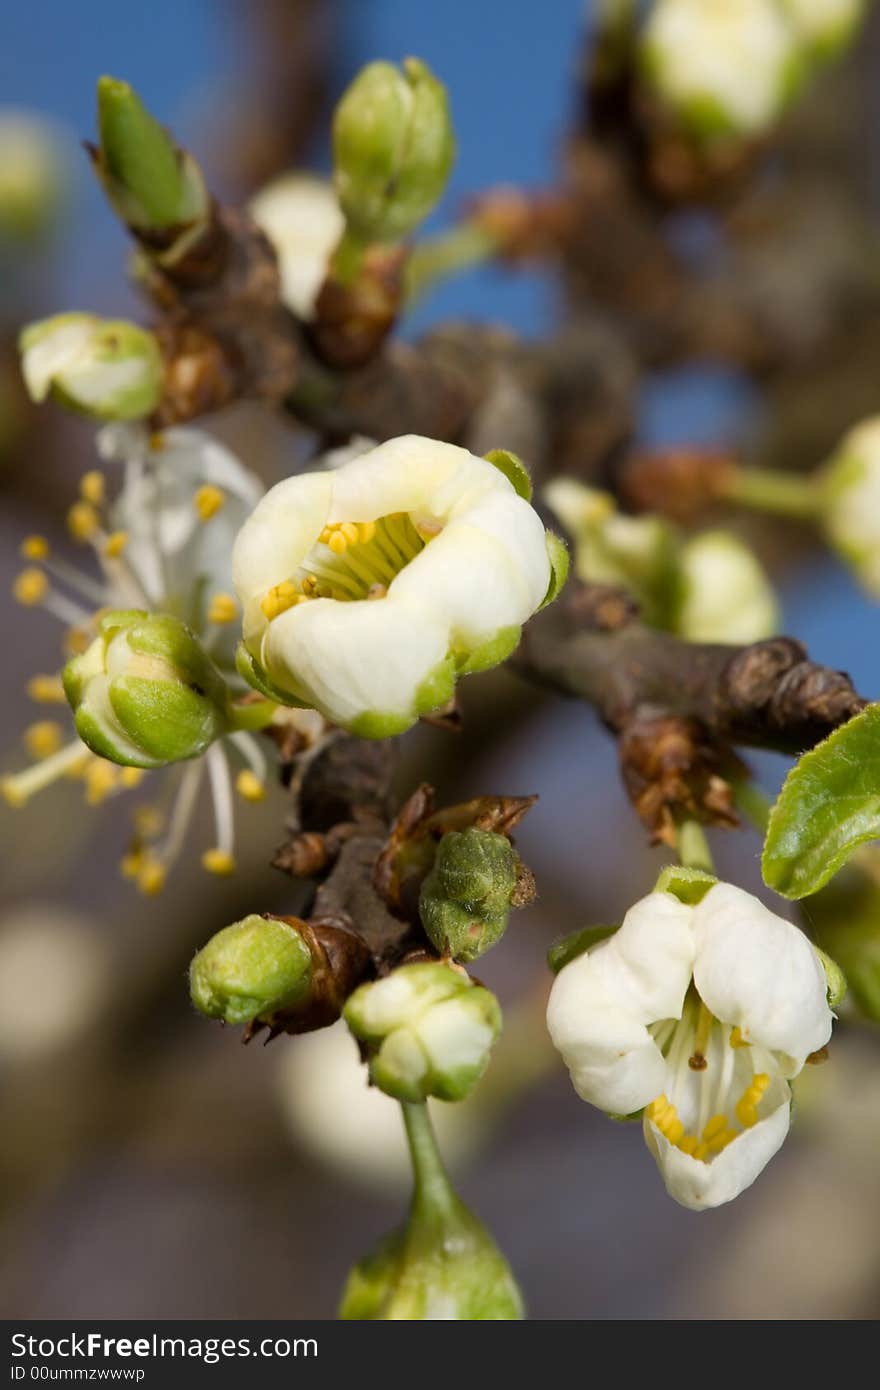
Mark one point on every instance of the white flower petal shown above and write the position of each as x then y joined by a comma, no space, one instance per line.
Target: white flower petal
275,538
409,474
302,218
758,972
700,1185
650,966
351,659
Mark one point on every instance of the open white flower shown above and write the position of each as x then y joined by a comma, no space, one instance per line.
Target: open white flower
851,502
699,1017
367,589
724,66
301,216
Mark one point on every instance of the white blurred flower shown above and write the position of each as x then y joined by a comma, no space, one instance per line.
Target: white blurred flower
726,67
698,1017
33,182
851,502
302,218
725,594
54,978
366,590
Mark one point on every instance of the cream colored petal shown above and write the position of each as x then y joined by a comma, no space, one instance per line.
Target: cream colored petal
280,531
410,474
758,972
700,1185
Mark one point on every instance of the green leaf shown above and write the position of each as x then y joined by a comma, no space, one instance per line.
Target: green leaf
828,806
562,952
514,470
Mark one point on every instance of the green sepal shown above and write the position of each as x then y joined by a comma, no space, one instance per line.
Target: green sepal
173,723
562,952
514,470
690,886
253,674
834,977
490,653
437,688
560,562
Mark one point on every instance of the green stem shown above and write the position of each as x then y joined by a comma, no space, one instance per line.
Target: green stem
346,261
251,717
436,258
753,804
766,490
693,847
433,1191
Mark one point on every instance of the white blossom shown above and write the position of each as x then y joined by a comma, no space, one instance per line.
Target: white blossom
367,589
725,594
697,1017
302,218
851,502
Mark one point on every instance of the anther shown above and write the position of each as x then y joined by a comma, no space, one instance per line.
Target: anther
115,544
91,487
218,861
34,548
208,501
46,690
249,785
222,609
43,738
30,587
83,521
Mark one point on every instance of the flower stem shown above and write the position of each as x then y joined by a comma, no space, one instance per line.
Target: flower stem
768,490
253,715
432,1189
346,261
693,847
436,258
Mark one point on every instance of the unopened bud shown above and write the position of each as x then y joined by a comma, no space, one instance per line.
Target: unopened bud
429,1030
254,967
393,148
725,596
151,184
466,898
106,368
145,692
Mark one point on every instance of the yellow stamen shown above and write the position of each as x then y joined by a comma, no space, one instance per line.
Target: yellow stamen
674,1131
721,1141
222,609
46,690
151,875
91,487
34,548
746,1113
131,777
218,861
279,599
157,441
30,587
377,591
130,864
737,1039
428,529
115,544
208,501
43,738
351,532
337,543
688,1144
100,779
148,821
76,640
701,1152
83,521
367,531
715,1126
310,586
248,785
656,1108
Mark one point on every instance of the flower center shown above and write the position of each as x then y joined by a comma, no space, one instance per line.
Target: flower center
352,561
716,1082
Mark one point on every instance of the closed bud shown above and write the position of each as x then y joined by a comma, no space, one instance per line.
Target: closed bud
850,502
145,692
106,368
725,596
466,898
393,148
254,967
151,184
428,1028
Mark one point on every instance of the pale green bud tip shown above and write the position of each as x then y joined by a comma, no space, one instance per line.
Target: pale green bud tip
393,148
834,977
465,899
145,692
106,368
429,1030
149,181
448,1268
254,967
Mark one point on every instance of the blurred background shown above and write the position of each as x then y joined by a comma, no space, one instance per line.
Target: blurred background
151,1166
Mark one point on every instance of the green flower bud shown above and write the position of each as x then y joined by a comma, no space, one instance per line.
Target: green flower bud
257,966
442,1265
429,1030
466,898
725,596
151,184
145,692
106,368
393,148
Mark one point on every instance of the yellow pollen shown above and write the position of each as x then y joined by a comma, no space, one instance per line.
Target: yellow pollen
151,875
208,501
701,1152
656,1108
131,777
30,587
83,521
337,543
746,1114
428,529
248,785
34,548
91,487
129,864
148,820
377,591
222,609
76,640
721,1141
737,1039
43,738
115,544
674,1131
367,530
46,690
688,1144
279,599
715,1126
101,778
218,861
12,792
310,586
157,441
351,532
